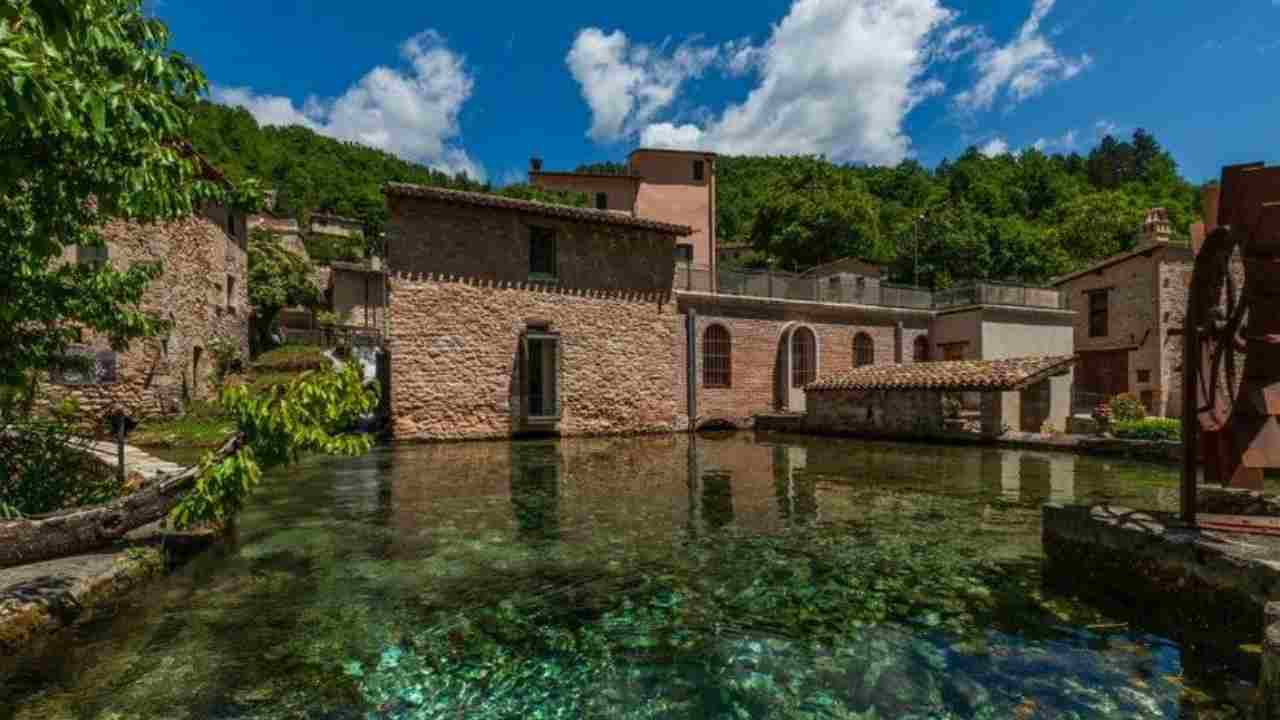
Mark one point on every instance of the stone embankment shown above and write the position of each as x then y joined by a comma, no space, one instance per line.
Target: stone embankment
38,599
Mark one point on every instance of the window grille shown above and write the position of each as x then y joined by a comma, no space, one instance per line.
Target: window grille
864,350
542,252
1098,313
804,357
602,201
920,353
717,359
698,170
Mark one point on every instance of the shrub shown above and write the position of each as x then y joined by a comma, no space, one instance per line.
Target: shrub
1126,407
1150,429
1103,416
951,406
44,467
227,359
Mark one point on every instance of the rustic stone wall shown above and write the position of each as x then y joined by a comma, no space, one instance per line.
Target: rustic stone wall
756,328
430,236
199,263
455,358
875,412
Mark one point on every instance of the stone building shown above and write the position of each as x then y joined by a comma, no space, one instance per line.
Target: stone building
201,291
1017,394
1128,321
510,317
481,286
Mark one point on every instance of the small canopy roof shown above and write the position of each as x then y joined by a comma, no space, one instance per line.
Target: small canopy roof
952,376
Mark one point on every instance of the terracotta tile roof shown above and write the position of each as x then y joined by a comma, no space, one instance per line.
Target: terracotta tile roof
958,375
475,199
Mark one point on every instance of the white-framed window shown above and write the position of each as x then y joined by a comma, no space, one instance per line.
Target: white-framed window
540,375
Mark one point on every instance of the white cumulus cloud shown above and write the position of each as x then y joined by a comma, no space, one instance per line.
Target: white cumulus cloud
835,78
1021,69
627,84
995,146
411,111
1066,142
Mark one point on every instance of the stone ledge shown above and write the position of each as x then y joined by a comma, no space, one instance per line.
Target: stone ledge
39,599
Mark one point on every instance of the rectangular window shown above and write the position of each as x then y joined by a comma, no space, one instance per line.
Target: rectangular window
1098,319
542,253
92,255
1144,376
231,224
602,201
541,374
698,170
86,367
231,291
684,253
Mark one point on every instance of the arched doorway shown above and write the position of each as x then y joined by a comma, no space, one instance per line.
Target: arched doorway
797,366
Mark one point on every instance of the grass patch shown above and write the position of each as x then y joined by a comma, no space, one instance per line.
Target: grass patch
203,426
291,358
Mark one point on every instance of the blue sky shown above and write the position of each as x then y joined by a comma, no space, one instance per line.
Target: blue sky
483,86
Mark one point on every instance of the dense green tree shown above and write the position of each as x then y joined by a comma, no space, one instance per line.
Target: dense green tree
92,123
278,279
814,214
1099,224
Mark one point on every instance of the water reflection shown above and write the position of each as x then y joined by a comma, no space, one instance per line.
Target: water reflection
535,492
633,572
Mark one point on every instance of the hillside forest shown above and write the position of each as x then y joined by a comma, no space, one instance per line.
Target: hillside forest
1016,217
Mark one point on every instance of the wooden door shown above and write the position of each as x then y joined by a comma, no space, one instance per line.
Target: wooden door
1103,374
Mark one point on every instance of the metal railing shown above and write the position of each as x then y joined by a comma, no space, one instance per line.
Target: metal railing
850,289
346,336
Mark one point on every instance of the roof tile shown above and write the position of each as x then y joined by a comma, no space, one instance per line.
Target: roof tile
603,217
956,375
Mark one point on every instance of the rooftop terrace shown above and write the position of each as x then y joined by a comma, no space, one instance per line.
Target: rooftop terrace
856,290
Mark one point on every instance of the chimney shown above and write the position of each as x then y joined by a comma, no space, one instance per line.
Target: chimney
1209,196
1156,227
535,164
1197,237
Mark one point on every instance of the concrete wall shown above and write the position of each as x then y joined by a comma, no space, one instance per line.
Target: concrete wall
455,369
957,327
199,261
875,412
670,194
358,297
428,236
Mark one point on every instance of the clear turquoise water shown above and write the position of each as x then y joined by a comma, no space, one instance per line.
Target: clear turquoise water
661,577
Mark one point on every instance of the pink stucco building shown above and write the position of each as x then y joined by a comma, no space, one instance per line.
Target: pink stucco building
670,186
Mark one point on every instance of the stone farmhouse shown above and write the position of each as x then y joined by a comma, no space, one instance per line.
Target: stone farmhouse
508,317
201,291
1129,316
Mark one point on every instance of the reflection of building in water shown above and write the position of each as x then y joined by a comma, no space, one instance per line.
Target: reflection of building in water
1042,476
535,491
797,499
717,499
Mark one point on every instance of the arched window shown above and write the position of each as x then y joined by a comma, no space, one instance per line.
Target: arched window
921,352
864,350
717,358
804,357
